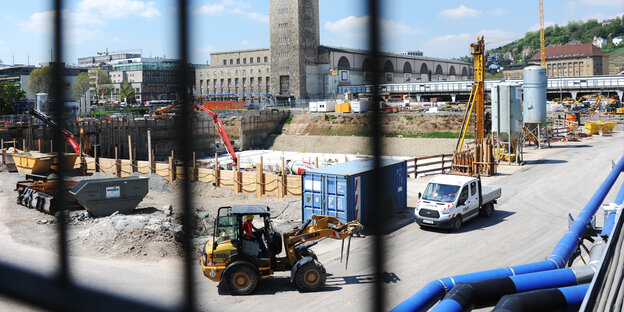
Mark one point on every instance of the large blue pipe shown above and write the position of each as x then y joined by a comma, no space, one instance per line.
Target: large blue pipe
574,295
435,290
610,220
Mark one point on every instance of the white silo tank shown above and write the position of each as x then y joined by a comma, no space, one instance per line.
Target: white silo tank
534,87
42,102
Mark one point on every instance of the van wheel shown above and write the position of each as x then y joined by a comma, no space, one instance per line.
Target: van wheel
456,224
487,210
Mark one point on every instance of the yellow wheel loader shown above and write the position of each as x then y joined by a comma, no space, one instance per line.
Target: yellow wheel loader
240,260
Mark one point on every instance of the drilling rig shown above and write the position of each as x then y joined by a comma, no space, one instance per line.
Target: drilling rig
478,160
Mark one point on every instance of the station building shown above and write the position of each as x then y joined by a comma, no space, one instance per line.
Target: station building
297,66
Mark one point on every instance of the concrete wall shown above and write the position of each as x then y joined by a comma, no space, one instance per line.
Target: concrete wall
255,130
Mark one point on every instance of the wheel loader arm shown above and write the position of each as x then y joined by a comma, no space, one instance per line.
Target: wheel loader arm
320,227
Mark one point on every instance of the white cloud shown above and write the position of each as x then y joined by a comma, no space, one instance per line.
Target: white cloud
39,23
232,7
460,12
499,11
119,8
536,27
613,3
356,27
244,43
206,49
453,45
211,9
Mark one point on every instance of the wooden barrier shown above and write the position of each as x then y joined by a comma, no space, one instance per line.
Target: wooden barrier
429,164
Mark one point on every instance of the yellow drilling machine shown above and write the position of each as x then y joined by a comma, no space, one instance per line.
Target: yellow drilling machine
240,259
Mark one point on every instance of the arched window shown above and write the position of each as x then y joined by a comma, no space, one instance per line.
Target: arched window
424,69
464,72
343,64
439,70
452,71
388,67
407,68
366,66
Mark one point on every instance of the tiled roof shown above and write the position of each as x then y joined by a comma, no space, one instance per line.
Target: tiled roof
569,50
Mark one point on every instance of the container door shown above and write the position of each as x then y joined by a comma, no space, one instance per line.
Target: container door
330,186
312,196
341,199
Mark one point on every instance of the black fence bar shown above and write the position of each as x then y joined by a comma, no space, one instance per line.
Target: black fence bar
185,127
378,295
58,84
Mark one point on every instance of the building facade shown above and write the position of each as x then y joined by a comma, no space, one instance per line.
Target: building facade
153,80
573,60
297,66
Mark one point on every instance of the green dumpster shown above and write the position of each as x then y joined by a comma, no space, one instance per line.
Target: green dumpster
103,197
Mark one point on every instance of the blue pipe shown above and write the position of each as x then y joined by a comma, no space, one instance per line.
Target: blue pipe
574,295
610,218
522,283
434,291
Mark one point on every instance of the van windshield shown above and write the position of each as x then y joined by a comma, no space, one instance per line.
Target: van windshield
440,192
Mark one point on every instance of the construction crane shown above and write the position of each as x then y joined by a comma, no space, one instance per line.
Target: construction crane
106,52
542,44
221,131
69,137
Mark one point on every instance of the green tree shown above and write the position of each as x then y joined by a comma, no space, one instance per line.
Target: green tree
126,93
9,93
102,84
40,80
80,86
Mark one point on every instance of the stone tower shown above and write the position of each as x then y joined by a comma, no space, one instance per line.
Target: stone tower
295,38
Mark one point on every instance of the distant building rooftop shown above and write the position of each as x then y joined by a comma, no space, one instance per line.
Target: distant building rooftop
362,51
569,51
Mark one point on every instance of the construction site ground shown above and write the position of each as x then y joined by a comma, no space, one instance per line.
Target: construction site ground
138,255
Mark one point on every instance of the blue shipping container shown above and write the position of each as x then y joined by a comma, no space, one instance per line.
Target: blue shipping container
344,190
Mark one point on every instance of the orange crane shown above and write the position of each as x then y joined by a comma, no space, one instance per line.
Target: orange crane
542,44
221,131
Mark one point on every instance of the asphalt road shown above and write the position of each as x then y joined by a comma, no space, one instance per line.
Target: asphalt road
528,222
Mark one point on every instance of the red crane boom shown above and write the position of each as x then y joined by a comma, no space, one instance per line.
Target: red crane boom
221,131
69,137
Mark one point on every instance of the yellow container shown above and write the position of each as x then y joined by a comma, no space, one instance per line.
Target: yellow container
608,126
345,107
39,163
593,127
338,108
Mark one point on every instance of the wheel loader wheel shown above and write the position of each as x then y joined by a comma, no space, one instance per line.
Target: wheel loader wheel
241,280
311,276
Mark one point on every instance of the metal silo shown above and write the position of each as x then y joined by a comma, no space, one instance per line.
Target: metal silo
507,120
534,85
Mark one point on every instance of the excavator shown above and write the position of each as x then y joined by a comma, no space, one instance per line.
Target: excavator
240,262
69,137
221,131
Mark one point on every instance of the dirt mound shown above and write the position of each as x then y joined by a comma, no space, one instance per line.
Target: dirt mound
140,235
393,124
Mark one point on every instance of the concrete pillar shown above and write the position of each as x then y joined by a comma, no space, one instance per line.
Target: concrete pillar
574,93
453,97
418,97
620,93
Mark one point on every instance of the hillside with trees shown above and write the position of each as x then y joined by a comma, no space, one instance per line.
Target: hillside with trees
560,35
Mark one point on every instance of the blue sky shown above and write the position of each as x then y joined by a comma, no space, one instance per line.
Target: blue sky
438,28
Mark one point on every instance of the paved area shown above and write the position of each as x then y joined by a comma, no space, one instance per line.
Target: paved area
528,221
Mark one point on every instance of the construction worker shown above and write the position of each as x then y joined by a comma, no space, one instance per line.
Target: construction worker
250,232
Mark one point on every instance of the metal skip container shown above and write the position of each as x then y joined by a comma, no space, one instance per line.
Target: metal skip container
103,197
345,190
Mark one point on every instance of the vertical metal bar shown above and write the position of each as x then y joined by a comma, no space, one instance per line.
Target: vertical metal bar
376,134
59,203
185,127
